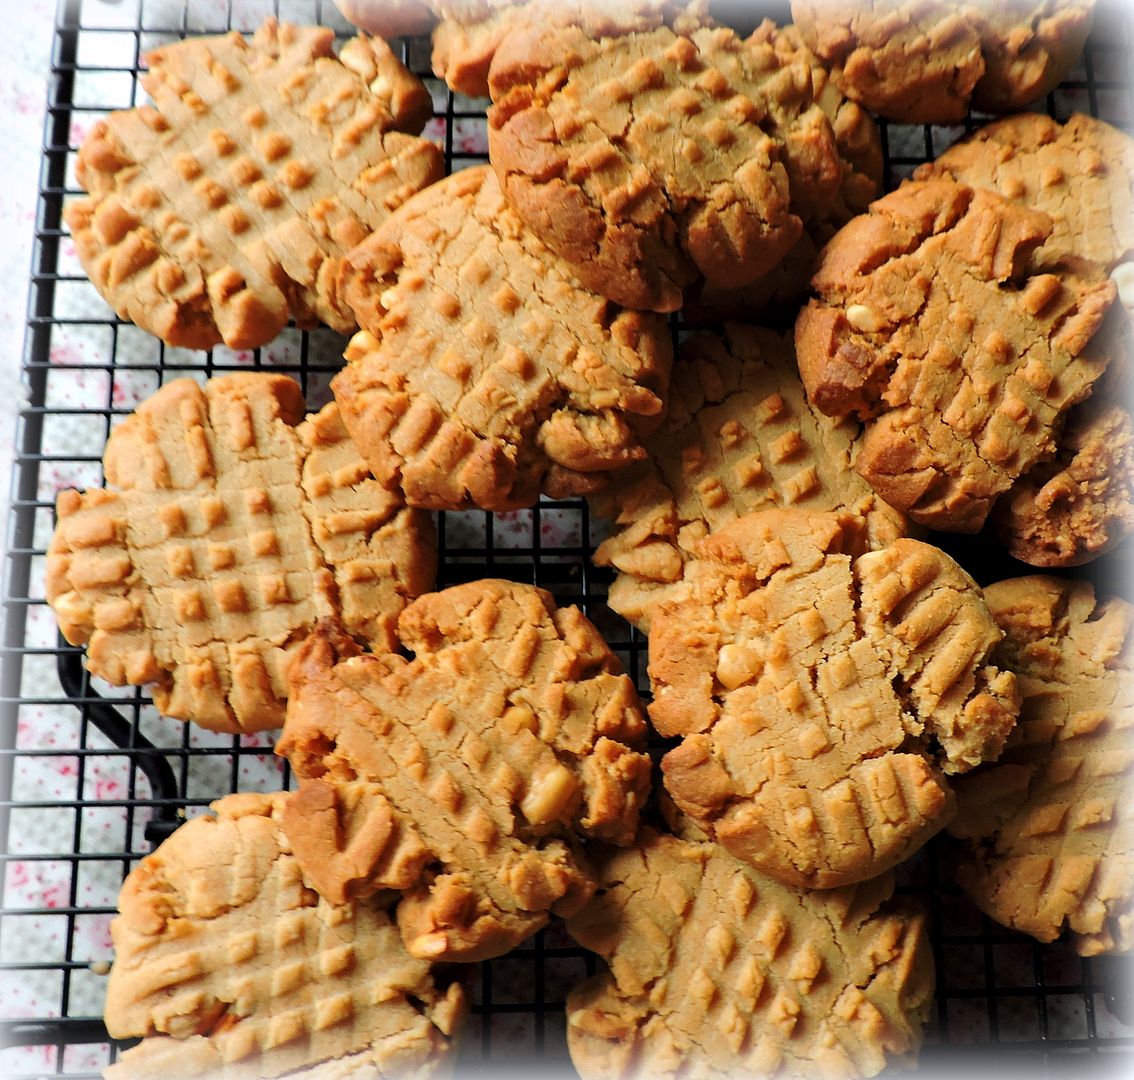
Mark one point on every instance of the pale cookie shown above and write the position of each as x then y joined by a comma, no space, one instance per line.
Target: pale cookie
484,372
740,436
925,61
823,694
227,206
1051,826
465,775
228,530
228,965
719,971
650,160
932,326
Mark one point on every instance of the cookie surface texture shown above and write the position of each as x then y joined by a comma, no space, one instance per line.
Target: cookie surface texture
924,61
933,327
739,436
646,160
717,970
1051,825
227,206
823,694
484,371
230,526
229,966
464,776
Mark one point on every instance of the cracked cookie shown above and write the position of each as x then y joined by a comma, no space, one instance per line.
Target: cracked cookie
824,694
227,206
484,372
651,160
925,61
740,436
230,527
464,776
228,965
932,326
719,971
1050,842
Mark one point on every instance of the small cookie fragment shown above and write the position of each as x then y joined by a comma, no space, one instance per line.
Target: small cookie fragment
925,61
1049,827
464,776
229,966
933,327
227,206
650,160
740,436
229,529
823,693
484,372
717,970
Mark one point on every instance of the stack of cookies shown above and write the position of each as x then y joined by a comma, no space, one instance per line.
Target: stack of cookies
471,762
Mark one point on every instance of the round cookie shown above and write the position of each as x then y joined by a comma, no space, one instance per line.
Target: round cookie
925,61
231,526
823,694
464,776
227,964
649,160
1049,827
717,970
740,436
226,207
933,327
484,371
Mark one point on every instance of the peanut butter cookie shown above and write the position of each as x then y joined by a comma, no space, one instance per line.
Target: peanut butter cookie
823,694
1051,825
229,529
229,966
740,436
484,371
933,327
925,61
226,207
463,776
650,160
719,971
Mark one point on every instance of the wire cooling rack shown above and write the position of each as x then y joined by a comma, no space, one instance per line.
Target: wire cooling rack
91,777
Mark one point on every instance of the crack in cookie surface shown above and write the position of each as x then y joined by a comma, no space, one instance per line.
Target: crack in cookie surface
232,526
465,775
823,693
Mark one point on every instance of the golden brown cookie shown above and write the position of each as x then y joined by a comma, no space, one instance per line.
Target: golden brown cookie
1051,826
740,436
650,160
823,694
465,775
469,31
924,61
719,971
228,530
484,372
229,966
933,327
227,206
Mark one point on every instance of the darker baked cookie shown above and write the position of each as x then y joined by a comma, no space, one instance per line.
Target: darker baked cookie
227,206
933,327
485,372
926,61
1050,827
650,160
823,693
719,971
465,775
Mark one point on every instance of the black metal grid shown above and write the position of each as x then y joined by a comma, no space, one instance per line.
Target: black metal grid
1003,1001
